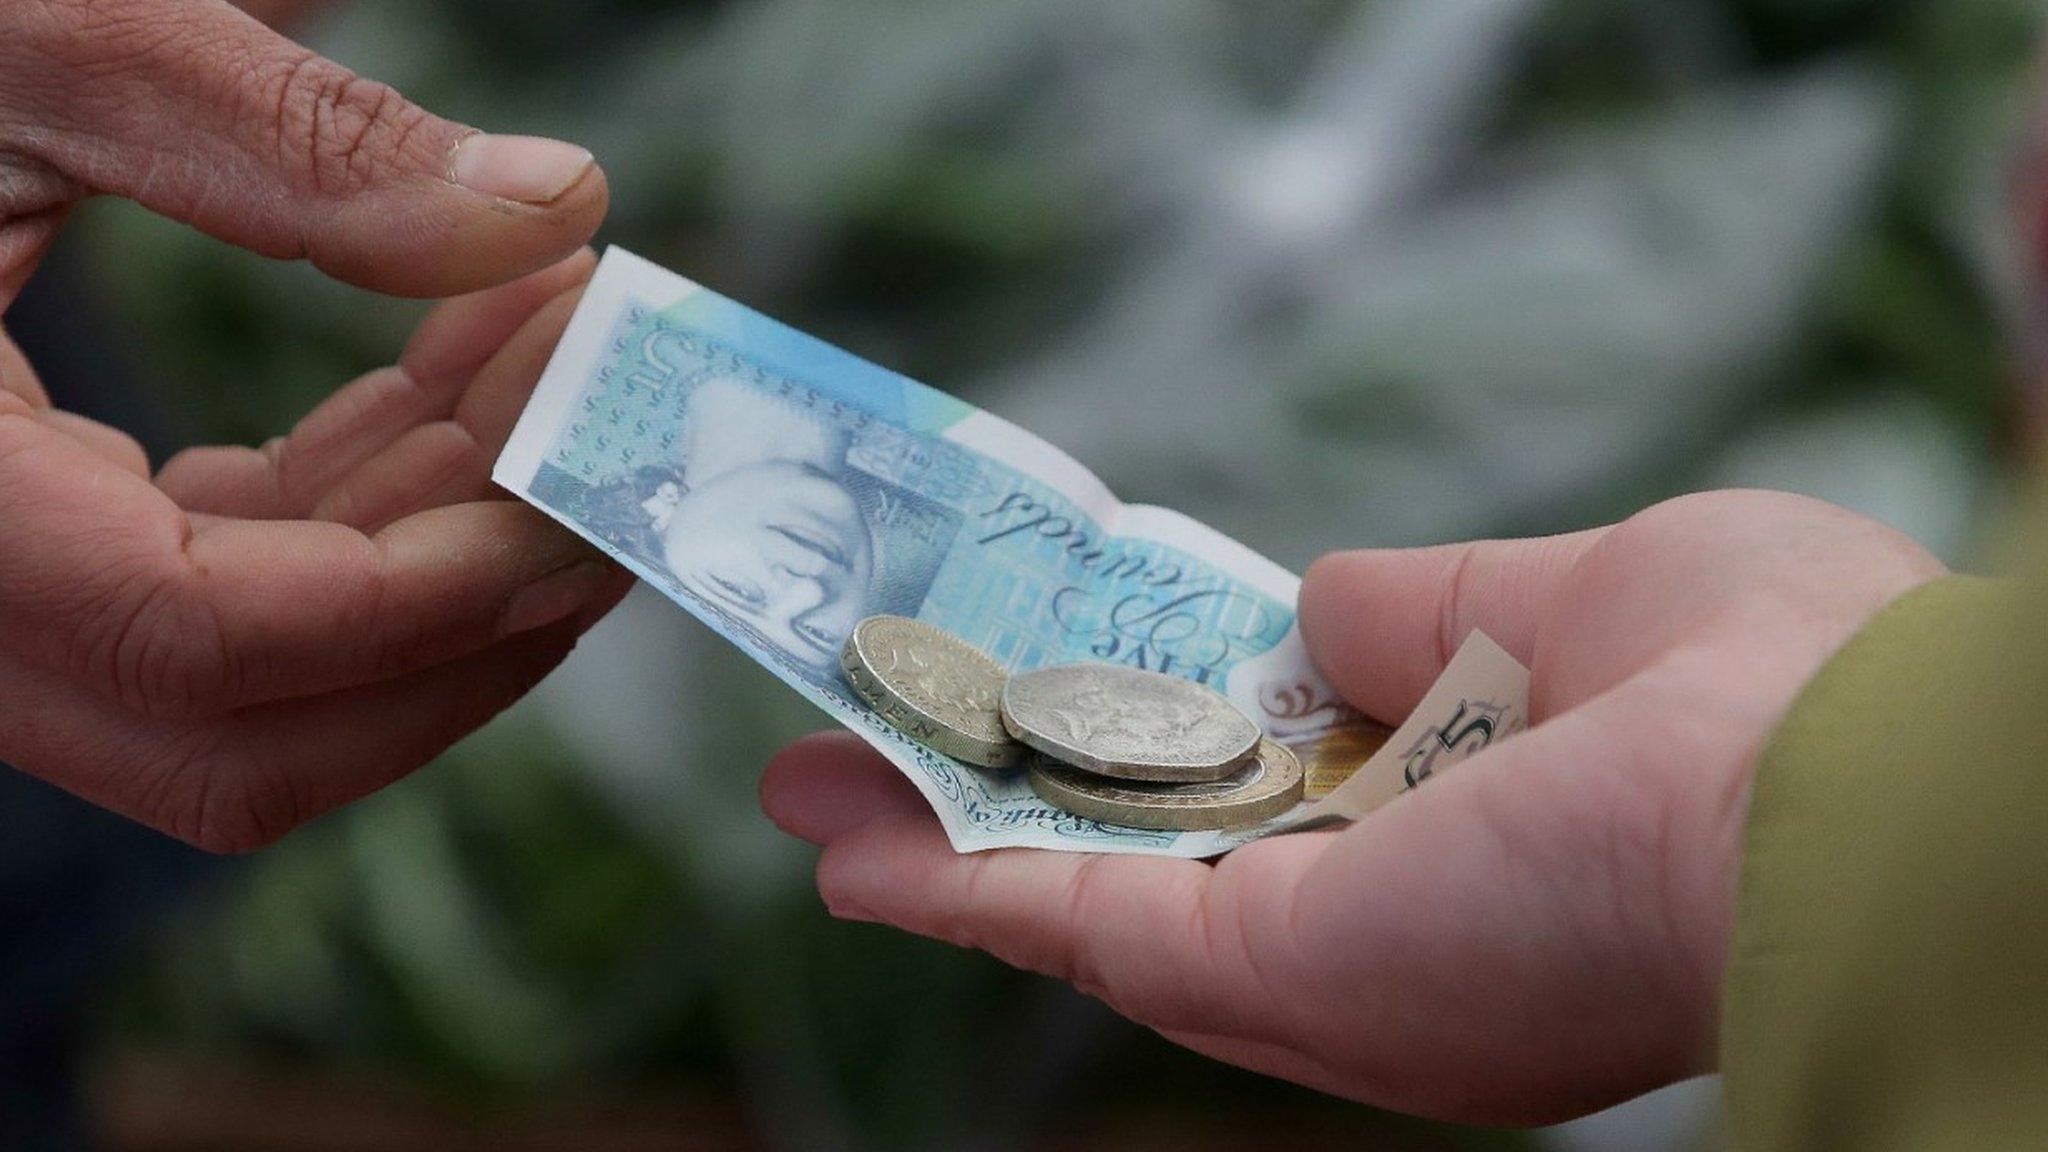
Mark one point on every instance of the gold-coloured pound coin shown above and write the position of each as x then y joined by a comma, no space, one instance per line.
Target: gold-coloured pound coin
1333,757
1267,786
932,686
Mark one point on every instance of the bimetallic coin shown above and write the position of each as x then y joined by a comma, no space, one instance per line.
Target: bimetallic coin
932,686
1128,723
1267,786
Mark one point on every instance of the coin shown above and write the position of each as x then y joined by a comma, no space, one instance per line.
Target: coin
932,686
1128,723
1266,786
1335,756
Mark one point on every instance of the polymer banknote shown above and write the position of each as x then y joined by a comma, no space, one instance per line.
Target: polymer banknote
782,490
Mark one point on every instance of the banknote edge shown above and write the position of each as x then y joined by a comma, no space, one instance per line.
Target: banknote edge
583,341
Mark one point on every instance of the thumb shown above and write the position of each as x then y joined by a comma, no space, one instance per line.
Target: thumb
200,113
1382,625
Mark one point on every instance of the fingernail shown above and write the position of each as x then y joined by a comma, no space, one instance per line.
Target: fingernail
554,597
527,169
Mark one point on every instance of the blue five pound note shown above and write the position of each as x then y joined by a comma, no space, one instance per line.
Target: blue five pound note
782,490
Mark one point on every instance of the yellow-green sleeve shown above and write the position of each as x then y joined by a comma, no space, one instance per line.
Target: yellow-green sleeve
1888,982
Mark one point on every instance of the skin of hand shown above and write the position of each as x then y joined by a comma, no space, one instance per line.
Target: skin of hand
255,636
1533,935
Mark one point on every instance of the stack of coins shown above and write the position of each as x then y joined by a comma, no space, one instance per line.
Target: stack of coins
1102,741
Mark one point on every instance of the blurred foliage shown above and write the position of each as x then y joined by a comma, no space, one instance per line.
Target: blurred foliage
1324,273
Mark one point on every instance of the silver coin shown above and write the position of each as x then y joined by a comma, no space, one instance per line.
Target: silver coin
932,686
1128,723
1267,786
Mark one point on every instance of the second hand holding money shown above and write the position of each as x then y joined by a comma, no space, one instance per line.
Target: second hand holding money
1535,935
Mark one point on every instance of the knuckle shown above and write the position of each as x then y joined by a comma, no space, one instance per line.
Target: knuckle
73,48
395,641
338,133
31,186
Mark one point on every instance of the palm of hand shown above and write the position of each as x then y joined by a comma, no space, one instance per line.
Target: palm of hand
1535,934
253,637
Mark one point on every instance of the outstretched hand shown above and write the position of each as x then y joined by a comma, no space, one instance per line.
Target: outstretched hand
257,636
260,635
1537,933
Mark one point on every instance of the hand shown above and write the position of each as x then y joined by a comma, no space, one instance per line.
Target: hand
1536,934
201,113
259,636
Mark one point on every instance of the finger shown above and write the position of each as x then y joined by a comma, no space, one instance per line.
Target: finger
1172,944
1381,625
34,202
275,610
201,113
306,757
102,579
288,477
458,338
825,785
449,461
235,784
110,444
18,377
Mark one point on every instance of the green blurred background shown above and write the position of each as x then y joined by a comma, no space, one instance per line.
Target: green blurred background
1326,273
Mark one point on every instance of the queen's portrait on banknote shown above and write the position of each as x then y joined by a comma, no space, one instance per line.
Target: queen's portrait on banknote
754,514
739,489
765,525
